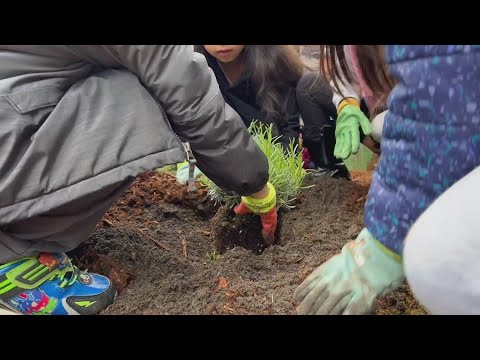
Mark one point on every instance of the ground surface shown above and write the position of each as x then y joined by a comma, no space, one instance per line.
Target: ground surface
158,245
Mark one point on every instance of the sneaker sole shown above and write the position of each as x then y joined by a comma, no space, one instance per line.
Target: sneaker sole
6,311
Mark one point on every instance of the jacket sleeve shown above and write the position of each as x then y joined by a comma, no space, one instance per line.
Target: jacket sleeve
431,136
182,83
377,126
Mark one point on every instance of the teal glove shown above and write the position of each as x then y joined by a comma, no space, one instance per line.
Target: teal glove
182,172
350,282
347,132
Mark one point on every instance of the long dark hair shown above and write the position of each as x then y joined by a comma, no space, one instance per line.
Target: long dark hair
273,69
372,64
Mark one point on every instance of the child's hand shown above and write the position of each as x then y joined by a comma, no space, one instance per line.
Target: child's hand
371,144
347,130
265,207
350,282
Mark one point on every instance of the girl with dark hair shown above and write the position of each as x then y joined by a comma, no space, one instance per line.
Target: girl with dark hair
269,83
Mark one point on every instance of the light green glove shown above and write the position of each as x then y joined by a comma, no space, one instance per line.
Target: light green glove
350,282
347,131
182,172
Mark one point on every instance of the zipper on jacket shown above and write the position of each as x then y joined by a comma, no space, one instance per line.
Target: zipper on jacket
192,187
171,129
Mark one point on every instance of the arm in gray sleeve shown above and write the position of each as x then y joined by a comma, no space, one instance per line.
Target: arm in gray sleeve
181,81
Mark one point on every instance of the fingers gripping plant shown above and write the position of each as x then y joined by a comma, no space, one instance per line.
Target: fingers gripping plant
285,169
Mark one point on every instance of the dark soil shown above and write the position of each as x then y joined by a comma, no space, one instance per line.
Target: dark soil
166,255
229,231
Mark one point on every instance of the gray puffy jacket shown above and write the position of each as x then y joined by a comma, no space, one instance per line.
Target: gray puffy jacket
75,119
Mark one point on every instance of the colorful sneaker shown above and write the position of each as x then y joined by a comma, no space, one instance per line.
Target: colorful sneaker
50,284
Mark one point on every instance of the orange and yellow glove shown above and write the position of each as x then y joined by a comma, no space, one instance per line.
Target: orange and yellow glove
265,208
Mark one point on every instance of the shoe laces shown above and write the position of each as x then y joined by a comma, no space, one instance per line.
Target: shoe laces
69,275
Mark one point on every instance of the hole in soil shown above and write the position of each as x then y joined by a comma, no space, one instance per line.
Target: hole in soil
229,231
206,208
86,257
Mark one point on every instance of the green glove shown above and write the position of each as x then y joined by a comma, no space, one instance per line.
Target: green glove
183,171
350,282
347,132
